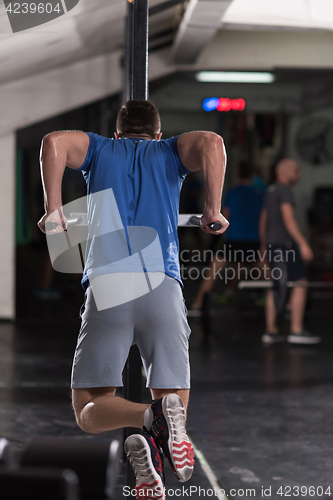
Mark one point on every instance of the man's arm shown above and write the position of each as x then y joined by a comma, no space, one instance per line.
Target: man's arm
206,151
287,211
59,149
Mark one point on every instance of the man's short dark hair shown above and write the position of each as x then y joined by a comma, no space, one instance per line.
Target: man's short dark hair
245,170
139,117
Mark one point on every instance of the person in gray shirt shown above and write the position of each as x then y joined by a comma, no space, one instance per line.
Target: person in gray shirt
280,235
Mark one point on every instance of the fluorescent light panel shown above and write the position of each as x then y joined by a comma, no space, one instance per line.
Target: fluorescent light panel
234,77
285,13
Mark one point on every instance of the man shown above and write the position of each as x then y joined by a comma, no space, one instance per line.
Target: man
281,236
241,207
145,175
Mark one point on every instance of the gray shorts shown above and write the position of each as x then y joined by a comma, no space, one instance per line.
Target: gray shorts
156,322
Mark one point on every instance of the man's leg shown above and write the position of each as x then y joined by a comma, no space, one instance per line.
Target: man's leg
184,394
162,333
207,283
297,305
271,316
272,333
99,410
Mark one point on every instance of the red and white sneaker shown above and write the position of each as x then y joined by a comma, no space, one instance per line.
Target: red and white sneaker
147,463
168,430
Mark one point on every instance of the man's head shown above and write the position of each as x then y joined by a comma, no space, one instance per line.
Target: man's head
287,172
245,172
139,118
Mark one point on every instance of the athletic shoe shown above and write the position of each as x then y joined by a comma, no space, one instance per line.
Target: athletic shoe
303,338
168,430
147,463
272,338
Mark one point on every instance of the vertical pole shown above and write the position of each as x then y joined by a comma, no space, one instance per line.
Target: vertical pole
140,50
135,87
128,71
136,58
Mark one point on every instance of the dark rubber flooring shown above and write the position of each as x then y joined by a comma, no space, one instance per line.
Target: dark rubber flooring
261,416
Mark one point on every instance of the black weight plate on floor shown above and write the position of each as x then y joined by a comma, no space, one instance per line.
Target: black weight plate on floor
96,463
38,483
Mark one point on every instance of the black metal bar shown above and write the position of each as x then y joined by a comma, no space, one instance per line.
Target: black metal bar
128,71
135,87
140,50
132,386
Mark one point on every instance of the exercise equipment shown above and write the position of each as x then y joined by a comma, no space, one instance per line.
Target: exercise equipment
280,288
184,220
38,483
96,463
74,220
195,220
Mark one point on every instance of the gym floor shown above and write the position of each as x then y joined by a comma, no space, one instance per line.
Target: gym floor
260,416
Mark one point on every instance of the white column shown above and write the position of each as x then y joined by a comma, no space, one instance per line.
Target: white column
7,214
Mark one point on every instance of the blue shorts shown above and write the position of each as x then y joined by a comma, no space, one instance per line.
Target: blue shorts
156,322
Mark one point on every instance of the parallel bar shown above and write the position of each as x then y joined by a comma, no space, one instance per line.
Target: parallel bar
81,219
290,284
191,220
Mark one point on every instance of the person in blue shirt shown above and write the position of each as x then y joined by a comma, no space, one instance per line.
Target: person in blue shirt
132,277
242,207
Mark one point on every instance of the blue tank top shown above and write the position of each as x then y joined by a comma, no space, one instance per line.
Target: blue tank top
133,190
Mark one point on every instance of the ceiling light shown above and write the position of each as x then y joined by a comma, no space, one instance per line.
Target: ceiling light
234,77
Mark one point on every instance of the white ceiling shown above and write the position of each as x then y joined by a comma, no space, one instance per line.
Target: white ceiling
73,60
92,28
309,14
97,27
204,18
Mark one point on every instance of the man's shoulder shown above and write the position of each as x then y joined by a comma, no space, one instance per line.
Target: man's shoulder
170,141
169,145
98,136
277,188
97,140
